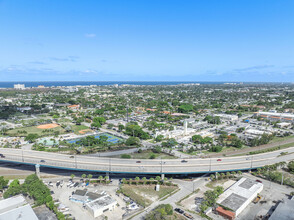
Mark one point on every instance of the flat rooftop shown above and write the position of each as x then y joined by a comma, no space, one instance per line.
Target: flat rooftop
284,211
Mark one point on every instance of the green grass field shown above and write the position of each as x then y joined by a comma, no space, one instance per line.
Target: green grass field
77,128
34,130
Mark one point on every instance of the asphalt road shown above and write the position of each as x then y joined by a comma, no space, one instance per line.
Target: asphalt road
167,166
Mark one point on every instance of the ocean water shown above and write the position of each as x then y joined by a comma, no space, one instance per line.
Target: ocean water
98,83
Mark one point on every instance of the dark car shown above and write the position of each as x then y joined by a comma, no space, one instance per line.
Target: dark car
138,161
184,161
42,161
259,181
179,210
2,156
71,157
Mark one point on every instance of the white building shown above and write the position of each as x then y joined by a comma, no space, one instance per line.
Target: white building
240,195
19,86
16,208
226,117
100,205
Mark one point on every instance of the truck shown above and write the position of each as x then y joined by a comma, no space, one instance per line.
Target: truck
256,200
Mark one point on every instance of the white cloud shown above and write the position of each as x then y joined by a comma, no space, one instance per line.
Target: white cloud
90,35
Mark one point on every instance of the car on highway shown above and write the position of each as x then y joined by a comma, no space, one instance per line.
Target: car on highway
72,157
219,159
247,158
2,156
184,161
138,161
258,181
42,161
179,210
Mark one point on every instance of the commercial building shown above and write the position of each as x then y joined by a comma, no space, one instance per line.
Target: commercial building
95,203
226,117
284,211
274,116
238,196
100,205
19,86
16,208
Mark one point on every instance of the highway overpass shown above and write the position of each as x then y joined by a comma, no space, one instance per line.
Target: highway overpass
146,166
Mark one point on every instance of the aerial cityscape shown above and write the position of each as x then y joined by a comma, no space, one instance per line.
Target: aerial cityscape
146,110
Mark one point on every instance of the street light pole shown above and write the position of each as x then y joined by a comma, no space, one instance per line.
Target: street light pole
76,161
22,155
251,161
210,164
109,164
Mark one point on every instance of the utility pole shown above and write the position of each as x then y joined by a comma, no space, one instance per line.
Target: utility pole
210,164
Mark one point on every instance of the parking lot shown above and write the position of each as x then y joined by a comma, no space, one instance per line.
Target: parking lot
63,192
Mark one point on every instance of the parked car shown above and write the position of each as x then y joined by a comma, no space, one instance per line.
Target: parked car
179,210
188,215
184,161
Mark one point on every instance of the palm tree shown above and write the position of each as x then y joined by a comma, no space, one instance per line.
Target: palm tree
233,173
144,179
151,180
137,180
124,181
100,179
84,176
228,174
211,177
90,176
158,178
239,172
222,175
72,176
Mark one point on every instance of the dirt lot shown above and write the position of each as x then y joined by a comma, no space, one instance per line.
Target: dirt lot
48,126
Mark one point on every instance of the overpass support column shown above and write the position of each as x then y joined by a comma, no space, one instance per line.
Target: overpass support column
162,176
37,166
107,174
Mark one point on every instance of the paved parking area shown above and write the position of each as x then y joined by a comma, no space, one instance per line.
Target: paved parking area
76,209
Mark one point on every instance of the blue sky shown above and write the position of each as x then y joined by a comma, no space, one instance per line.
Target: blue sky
186,40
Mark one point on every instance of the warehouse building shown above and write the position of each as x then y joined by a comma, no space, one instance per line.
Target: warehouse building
236,198
273,116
